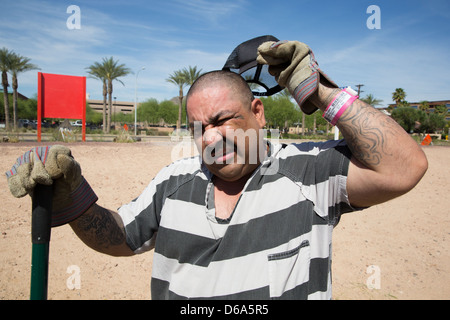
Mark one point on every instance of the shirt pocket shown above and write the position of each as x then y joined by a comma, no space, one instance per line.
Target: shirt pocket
289,269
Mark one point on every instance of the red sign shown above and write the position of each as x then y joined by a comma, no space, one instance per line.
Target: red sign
61,96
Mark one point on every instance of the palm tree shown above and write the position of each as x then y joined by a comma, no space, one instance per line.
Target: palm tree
97,71
370,99
113,72
110,70
5,63
191,75
398,96
403,103
179,78
424,106
18,65
441,110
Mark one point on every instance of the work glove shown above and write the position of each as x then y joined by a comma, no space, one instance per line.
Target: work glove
293,65
72,195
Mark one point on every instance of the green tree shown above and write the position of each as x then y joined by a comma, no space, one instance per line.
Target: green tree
5,64
408,118
316,118
168,111
179,78
113,72
154,112
432,123
110,70
398,96
280,111
148,111
97,71
2,106
18,64
92,116
191,74
27,109
441,110
403,104
424,106
370,99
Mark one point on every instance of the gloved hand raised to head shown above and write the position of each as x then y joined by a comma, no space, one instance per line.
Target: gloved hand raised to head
293,65
72,195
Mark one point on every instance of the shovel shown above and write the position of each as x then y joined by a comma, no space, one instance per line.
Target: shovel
40,237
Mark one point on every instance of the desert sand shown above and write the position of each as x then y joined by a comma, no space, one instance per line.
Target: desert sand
396,250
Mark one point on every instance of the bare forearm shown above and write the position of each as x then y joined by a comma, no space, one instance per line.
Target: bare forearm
102,230
386,162
375,139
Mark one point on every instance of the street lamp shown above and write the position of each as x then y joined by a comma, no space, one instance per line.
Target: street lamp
135,100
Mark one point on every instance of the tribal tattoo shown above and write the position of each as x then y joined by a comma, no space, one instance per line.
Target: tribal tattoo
101,228
366,140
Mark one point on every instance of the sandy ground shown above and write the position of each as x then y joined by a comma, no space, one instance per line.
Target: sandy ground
396,250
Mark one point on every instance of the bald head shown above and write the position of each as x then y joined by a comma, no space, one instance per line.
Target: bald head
226,121
237,85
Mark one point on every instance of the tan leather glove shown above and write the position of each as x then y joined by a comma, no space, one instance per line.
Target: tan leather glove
293,65
72,195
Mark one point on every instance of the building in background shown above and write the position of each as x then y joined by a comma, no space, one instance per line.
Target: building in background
431,104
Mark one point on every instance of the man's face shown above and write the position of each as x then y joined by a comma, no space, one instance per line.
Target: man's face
226,132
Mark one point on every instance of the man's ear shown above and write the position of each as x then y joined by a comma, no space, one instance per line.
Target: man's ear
258,112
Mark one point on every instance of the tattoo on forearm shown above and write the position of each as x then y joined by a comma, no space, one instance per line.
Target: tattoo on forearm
365,129
101,228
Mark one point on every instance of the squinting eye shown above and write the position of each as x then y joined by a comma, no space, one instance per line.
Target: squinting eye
222,121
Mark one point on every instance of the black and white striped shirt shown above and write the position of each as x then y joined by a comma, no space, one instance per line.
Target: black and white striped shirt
277,243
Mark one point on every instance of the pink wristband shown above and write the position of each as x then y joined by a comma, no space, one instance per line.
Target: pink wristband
339,104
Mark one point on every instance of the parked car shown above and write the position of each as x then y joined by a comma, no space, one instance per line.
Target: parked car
32,125
43,124
77,123
23,123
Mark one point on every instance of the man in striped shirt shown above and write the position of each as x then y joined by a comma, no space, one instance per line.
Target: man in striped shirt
237,228
226,227
249,219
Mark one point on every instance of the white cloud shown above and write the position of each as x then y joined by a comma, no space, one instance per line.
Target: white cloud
40,33
212,11
152,81
175,34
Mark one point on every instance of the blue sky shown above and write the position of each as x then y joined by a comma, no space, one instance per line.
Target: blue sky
411,50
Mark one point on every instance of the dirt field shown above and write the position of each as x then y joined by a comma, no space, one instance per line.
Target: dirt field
397,250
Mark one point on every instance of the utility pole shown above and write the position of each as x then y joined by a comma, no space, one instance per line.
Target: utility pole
359,89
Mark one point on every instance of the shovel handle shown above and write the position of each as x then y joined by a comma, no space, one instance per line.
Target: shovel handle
41,218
